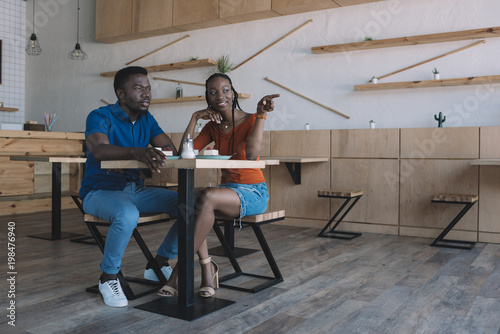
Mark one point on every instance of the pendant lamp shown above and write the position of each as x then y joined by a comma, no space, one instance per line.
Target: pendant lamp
77,53
33,46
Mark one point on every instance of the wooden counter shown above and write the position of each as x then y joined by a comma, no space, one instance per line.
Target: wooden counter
25,185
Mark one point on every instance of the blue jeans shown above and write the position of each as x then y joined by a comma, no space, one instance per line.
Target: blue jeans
121,209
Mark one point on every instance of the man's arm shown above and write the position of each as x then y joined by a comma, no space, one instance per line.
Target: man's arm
101,149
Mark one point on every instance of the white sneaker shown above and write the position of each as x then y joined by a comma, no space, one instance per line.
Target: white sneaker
150,274
112,293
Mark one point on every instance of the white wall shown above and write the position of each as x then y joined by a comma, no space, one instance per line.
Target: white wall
56,84
12,23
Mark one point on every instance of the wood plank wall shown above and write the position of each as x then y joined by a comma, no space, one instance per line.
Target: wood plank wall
489,185
398,170
437,160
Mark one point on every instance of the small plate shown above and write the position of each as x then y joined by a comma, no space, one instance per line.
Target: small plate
173,157
216,157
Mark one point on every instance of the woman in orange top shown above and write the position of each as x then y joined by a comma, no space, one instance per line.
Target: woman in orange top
242,192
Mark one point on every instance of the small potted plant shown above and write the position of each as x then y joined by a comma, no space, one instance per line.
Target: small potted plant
372,124
198,126
374,80
368,38
436,73
223,64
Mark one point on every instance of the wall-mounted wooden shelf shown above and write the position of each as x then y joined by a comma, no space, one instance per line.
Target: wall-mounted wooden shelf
413,40
8,109
173,66
191,99
431,83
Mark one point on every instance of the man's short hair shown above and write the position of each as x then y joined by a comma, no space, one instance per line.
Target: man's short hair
122,75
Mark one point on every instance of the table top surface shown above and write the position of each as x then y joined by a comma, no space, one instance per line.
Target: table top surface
295,159
270,161
186,163
48,159
202,163
486,162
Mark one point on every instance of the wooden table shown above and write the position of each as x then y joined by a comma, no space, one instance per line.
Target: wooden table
56,233
486,162
293,164
184,306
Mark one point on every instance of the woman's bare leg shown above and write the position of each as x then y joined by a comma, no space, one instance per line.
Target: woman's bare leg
209,202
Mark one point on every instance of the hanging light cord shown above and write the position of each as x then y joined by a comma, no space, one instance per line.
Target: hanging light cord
77,53
34,16
78,24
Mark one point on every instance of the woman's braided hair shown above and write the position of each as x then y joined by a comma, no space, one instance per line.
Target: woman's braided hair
235,104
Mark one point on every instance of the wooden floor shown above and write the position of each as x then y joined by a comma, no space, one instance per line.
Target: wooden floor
373,284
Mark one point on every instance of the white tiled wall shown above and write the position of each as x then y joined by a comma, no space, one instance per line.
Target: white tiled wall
13,36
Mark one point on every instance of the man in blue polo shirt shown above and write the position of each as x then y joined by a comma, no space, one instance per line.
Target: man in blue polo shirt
119,132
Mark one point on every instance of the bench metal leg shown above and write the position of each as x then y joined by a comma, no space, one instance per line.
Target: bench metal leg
340,234
229,236
440,241
270,281
87,239
125,280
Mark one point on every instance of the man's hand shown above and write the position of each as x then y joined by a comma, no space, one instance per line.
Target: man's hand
150,156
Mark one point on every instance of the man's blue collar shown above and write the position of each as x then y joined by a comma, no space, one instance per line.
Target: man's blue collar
122,114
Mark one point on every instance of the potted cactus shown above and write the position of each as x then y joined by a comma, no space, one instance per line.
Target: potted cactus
374,80
441,119
436,73
372,124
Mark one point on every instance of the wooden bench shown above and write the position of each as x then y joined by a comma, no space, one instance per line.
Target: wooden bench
468,201
348,195
226,239
93,222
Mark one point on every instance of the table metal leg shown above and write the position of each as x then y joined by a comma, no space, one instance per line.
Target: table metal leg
185,306
186,238
56,233
56,199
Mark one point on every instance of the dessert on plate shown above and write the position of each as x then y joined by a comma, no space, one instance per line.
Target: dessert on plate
210,152
168,152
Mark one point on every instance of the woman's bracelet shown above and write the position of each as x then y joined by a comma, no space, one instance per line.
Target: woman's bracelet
260,116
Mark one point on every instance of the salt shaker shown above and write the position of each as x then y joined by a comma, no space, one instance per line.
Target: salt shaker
187,149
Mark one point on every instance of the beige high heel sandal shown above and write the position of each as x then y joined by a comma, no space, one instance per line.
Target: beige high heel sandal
173,292
215,279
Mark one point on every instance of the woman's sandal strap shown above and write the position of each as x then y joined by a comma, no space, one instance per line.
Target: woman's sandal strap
208,289
206,261
166,288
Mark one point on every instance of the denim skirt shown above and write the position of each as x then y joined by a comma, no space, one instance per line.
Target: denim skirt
253,197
